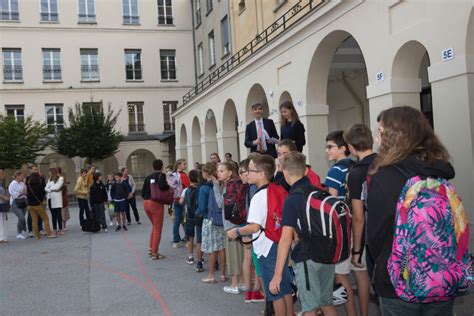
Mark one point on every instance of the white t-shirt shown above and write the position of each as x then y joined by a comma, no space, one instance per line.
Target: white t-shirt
184,192
258,215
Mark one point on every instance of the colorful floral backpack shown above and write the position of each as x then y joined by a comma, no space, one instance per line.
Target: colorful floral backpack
430,258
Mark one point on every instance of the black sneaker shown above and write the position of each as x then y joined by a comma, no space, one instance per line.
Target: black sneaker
190,260
119,228
199,266
125,227
138,223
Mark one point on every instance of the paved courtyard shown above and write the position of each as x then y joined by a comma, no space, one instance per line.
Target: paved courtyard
110,274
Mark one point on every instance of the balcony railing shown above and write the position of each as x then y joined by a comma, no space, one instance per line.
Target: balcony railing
13,73
136,128
52,73
287,20
9,16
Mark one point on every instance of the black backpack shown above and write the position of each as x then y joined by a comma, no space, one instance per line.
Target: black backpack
192,197
326,237
90,225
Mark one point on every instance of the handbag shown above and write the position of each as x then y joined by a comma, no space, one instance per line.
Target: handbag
21,203
161,196
4,208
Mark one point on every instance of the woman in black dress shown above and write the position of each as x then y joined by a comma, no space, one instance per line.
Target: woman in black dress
291,126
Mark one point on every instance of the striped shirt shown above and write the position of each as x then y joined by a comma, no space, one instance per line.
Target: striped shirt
337,175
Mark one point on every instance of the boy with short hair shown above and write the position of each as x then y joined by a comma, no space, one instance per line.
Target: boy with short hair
320,276
119,193
260,172
337,150
360,141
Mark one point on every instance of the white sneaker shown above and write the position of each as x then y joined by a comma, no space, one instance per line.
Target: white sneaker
242,287
178,244
20,236
231,290
30,234
339,295
111,224
43,232
105,230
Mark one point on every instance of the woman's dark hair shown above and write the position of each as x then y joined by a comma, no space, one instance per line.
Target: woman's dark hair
96,176
406,132
54,174
294,115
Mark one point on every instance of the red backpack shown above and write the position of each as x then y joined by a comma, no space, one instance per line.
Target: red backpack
276,196
234,202
314,178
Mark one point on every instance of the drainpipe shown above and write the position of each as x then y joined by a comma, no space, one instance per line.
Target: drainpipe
194,43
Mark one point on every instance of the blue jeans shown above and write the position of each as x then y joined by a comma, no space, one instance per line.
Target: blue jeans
83,207
396,307
178,218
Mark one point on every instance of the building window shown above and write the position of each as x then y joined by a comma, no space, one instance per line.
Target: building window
168,64
86,11
12,69
241,5
165,12
169,107
51,64
89,65
135,117
198,12
54,117
133,64
130,12
212,49
200,60
225,36
209,6
9,10
49,10
16,111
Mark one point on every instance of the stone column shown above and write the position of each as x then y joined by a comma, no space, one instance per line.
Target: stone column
227,141
209,146
194,152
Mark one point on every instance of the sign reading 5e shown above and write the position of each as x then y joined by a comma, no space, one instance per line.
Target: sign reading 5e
447,54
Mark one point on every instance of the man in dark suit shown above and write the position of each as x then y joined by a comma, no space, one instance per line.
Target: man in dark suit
260,134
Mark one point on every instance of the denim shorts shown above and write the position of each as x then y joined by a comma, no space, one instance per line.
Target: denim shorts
198,234
267,269
189,226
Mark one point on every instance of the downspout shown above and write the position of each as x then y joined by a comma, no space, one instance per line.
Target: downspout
194,43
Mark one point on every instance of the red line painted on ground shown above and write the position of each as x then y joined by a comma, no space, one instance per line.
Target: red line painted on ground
152,285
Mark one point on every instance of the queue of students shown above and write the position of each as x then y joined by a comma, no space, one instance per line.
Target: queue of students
371,186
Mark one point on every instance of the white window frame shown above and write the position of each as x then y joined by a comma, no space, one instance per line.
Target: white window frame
165,16
90,65
198,13
130,16
200,59
211,6
168,65
133,52
50,16
88,18
136,125
212,49
12,16
225,47
171,121
15,108
55,76
55,125
15,77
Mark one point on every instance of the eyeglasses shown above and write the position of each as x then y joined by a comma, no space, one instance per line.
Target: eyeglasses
250,170
329,147
243,171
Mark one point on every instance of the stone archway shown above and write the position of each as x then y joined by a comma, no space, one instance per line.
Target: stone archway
67,165
256,95
228,139
285,96
195,149
182,151
140,164
209,142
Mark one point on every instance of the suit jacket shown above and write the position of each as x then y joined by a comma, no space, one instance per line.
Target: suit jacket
251,135
297,135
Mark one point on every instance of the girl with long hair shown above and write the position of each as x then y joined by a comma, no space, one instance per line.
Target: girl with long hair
291,126
178,181
54,196
407,146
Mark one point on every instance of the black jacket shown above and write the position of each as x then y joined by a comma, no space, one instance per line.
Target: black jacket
297,135
35,193
160,178
384,191
119,191
98,193
251,135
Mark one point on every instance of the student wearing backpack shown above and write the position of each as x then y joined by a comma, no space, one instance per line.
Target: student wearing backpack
319,277
360,141
338,151
178,181
212,234
190,202
266,229
228,188
409,153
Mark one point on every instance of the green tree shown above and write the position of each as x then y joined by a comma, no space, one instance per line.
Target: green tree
91,133
21,141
